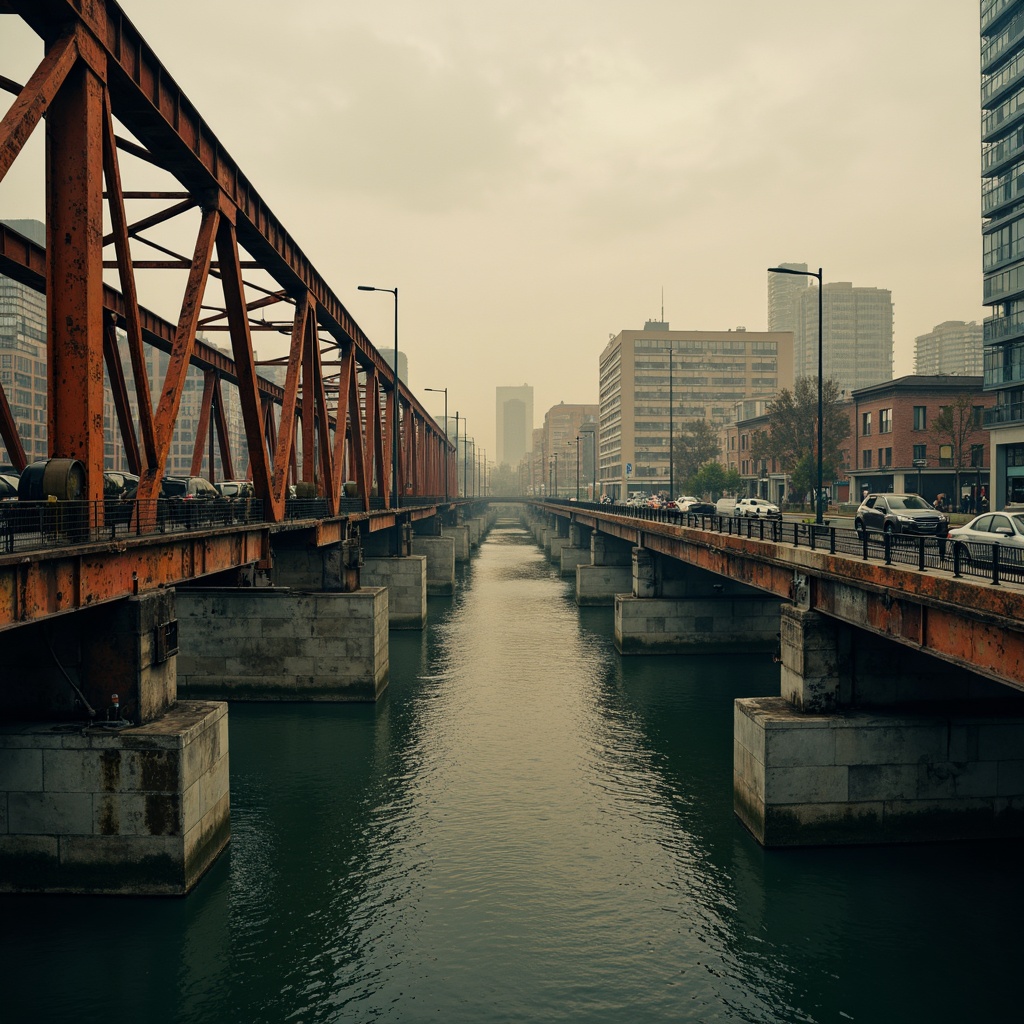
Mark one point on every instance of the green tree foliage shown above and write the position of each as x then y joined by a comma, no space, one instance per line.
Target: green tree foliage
713,479
695,444
503,480
792,433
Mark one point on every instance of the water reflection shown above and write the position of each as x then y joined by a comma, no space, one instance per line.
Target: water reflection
526,828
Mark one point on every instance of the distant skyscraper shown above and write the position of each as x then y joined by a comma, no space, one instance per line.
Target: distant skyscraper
513,423
857,335
783,291
953,347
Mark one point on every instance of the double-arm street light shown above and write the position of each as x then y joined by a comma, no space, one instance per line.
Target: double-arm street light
821,425
445,392
394,417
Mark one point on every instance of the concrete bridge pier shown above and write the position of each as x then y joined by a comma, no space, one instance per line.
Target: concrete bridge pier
577,551
556,539
308,637
439,551
872,741
102,794
674,608
401,573
460,535
610,571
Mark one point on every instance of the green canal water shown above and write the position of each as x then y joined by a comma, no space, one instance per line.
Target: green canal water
526,828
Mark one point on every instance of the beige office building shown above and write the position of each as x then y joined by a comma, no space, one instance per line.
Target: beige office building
711,371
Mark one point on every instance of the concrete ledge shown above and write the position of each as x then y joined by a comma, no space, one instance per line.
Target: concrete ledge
141,811
868,777
270,644
677,625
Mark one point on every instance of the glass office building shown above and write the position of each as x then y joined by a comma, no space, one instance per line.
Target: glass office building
1002,207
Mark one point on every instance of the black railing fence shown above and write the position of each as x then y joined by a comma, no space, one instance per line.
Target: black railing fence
996,563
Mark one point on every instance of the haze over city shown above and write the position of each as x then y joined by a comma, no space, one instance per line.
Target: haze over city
532,178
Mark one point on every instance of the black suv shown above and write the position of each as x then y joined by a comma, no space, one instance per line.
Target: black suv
900,513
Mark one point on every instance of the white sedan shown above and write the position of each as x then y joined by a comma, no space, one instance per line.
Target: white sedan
976,538
757,507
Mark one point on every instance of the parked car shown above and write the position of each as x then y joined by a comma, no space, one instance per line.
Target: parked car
8,487
684,501
759,508
190,501
900,514
974,540
725,506
119,490
702,508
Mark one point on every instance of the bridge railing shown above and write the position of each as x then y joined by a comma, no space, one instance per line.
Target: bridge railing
34,525
994,562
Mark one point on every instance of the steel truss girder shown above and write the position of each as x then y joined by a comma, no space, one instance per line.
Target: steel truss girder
96,68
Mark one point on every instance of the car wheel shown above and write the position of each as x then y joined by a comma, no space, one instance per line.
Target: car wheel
859,527
963,552
889,529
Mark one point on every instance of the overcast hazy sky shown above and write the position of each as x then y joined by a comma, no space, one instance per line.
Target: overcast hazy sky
531,175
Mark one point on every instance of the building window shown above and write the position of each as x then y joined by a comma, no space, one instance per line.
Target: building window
945,455
867,459
920,417
977,455
888,456
885,421
865,424
977,412
920,452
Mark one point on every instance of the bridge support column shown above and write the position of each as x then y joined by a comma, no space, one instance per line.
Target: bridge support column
474,527
440,555
459,534
406,582
135,802
577,552
610,571
833,761
676,608
279,644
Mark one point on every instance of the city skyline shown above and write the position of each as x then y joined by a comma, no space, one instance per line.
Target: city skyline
553,190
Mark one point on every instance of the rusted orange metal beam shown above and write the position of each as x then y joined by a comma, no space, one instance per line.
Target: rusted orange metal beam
97,67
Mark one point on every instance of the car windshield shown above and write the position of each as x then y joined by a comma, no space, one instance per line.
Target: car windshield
905,501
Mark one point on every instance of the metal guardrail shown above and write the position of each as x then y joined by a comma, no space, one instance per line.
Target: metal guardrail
961,558
38,525
32,525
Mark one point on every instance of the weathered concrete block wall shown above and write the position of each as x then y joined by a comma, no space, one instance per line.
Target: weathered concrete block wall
473,525
283,644
139,811
863,777
570,558
459,534
675,625
554,548
440,555
406,583
306,567
597,585
606,550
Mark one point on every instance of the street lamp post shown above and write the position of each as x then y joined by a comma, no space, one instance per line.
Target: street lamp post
394,417
445,391
821,425
918,465
577,465
556,475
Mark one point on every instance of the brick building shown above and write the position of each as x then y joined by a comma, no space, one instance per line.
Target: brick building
892,446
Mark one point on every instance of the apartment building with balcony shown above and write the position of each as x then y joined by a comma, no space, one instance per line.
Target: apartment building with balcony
1002,207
